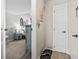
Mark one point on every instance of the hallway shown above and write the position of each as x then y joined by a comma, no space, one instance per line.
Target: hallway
16,50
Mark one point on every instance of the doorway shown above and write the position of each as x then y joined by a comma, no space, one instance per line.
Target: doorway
18,29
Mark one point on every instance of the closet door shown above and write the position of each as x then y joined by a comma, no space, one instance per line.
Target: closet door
60,30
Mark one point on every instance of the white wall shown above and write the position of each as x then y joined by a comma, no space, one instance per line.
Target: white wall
42,36
49,13
57,2
73,28
49,24
33,14
40,39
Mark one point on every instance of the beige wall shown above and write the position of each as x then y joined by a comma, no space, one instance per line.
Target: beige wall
44,34
40,31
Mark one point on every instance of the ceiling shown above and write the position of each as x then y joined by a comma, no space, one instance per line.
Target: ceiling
59,1
56,2
24,6
18,6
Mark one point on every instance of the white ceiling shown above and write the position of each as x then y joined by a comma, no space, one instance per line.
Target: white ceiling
59,1
24,6
56,2
18,6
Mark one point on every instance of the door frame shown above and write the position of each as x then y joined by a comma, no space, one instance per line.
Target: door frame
3,25
66,50
3,17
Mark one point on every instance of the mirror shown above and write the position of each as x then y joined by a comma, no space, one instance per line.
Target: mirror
18,35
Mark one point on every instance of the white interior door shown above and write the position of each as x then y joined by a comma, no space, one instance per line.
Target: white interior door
73,29
60,33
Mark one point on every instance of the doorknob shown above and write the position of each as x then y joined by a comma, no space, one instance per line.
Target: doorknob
64,31
75,35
